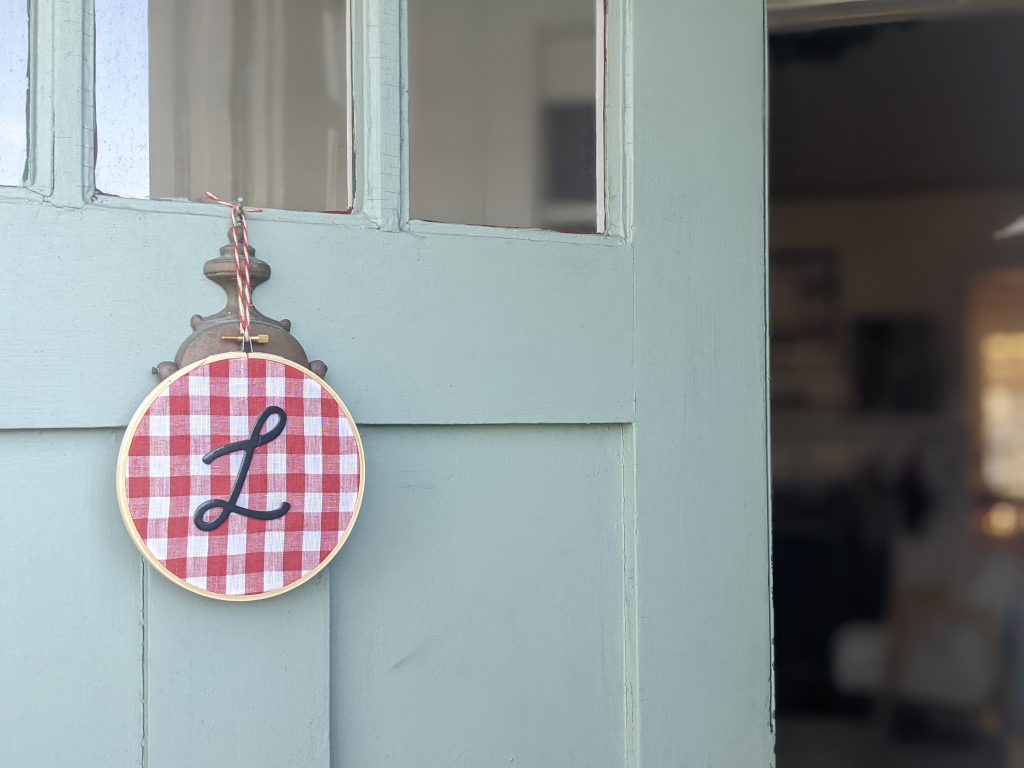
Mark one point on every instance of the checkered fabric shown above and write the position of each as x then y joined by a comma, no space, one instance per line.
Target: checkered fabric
314,465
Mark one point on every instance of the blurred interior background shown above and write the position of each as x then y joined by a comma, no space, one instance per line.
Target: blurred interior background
897,346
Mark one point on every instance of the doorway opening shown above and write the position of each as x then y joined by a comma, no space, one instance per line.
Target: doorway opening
897,390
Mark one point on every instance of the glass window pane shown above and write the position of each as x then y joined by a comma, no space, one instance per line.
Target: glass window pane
503,112
13,90
244,98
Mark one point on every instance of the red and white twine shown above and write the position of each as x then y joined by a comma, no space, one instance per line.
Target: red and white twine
243,277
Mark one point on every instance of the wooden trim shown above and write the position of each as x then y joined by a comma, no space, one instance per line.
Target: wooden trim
197,208
414,325
418,227
630,600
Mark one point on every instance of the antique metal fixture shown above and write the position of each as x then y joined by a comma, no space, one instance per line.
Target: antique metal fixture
218,333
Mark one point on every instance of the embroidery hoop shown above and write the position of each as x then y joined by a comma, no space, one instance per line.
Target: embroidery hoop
122,466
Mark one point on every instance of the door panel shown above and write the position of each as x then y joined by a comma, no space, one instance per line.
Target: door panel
479,621
236,684
71,651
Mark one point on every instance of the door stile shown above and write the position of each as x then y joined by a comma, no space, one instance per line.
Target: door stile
704,644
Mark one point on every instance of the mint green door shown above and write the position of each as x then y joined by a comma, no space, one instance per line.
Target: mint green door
563,554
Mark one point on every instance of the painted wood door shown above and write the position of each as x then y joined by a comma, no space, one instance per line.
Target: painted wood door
563,555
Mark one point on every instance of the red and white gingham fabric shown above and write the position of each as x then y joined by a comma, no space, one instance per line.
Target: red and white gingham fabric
314,465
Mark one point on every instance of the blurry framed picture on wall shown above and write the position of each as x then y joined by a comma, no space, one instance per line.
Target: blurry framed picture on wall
896,364
804,297
804,294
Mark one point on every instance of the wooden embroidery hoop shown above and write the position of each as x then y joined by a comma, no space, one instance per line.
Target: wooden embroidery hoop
122,466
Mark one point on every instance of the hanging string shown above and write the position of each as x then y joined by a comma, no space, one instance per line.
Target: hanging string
243,266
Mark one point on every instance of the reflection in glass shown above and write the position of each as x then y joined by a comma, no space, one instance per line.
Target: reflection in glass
13,90
244,98
502,112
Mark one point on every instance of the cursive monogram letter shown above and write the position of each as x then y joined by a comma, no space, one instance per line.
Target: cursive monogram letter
255,440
